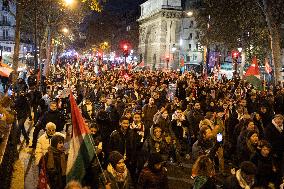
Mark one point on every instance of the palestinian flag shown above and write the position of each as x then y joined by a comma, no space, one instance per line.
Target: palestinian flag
81,150
253,69
253,75
42,179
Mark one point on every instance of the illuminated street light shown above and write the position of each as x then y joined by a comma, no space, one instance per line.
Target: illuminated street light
65,30
189,13
69,2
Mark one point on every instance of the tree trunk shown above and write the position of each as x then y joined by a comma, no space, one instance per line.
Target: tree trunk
274,35
243,62
19,12
48,52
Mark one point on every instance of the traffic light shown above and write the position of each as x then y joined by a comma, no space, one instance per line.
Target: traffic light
235,56
99,56
125,51
167,61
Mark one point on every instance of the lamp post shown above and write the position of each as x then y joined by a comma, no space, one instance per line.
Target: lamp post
174,51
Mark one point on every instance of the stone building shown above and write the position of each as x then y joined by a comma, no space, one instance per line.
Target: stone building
159,33
7,33
168,33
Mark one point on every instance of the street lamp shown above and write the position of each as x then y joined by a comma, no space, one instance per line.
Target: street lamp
189,13
69,2
65,30
174,50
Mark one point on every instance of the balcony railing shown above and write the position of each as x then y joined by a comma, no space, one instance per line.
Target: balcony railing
5,23
6,38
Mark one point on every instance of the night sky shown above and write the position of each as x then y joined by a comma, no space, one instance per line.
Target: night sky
122,5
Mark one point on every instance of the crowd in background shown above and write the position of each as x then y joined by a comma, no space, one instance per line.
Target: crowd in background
140,124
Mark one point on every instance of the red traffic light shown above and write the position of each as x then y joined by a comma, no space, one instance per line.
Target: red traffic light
167,58
235,54
125,47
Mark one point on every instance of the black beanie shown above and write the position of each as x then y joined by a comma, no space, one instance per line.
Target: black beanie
114,158
154,158
56,139
248,168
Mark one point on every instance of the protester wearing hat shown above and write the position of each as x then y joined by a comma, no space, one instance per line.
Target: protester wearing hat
116,176
55,163
244,177
154,175
274,133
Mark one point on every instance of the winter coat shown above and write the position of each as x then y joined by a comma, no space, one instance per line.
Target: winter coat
265,173
22,107
55,117
234,182
123,143
150,179
154,145
275,138
201,147
42,146
181,131
194,118
245,151
56,173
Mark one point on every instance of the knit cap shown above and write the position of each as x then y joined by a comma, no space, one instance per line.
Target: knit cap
114,158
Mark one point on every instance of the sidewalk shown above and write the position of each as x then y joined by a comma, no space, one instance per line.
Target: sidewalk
25,174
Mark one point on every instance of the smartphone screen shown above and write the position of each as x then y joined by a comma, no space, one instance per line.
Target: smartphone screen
219,137
10,92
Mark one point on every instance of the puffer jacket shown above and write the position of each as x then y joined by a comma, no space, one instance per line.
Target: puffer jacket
42,146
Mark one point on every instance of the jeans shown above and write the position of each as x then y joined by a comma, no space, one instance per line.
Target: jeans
21,126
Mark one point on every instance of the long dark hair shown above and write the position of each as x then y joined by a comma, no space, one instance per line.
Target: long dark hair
203,166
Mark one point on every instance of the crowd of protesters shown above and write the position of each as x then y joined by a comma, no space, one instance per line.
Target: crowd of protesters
140,125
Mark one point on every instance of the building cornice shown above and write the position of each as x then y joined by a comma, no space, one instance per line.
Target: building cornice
162,13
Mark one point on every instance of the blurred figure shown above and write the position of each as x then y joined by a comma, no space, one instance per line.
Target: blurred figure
203,172
244,177
116,176
154,175
56,163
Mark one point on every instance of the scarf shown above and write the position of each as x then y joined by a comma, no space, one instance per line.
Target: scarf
241,180
119,177
50,159
279,128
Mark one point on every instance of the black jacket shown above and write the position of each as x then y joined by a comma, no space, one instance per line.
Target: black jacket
22,107
275,138
55,117
123,143
265,173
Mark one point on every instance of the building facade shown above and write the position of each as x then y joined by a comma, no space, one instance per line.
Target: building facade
159,33
7,33
168,34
